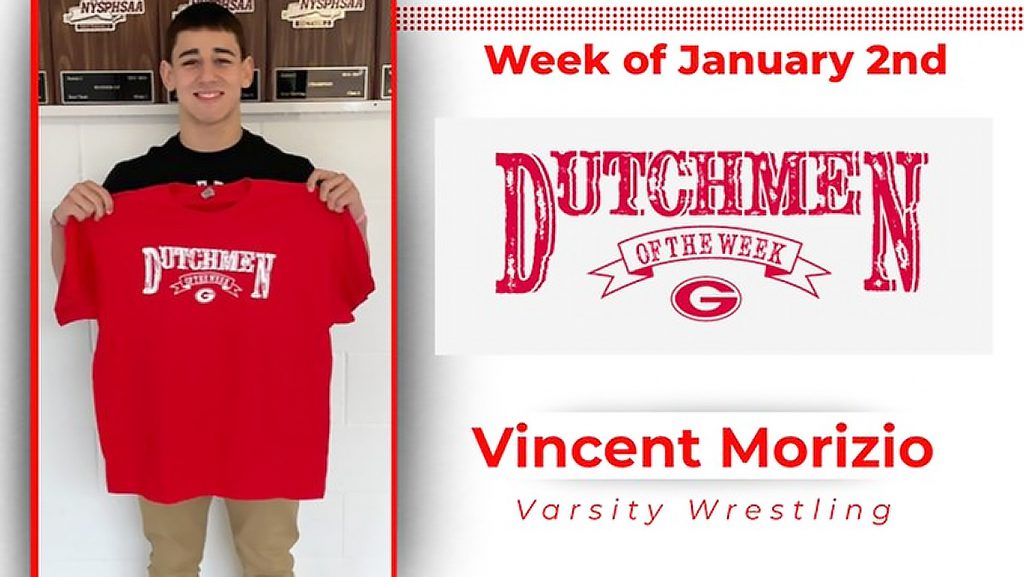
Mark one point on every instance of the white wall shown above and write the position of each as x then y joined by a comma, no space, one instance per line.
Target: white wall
86,532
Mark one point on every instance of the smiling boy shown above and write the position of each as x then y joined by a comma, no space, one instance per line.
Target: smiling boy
207,65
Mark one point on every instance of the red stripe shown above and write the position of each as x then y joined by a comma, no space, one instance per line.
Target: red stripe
394,293
34,291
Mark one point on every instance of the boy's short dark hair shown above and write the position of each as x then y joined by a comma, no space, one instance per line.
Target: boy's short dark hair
204,16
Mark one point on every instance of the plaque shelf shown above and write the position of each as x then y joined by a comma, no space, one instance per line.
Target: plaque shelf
249,109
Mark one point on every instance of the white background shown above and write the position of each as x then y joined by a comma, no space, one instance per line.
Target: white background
86,531
459,518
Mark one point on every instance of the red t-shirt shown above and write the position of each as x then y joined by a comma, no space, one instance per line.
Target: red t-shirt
212,369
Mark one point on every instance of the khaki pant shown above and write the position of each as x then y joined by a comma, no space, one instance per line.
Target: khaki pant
263,531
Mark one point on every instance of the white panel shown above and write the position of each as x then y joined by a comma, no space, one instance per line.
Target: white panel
84,525
339,386
107,568
366,530
368,387
371,331
69,498
359,566
58,146
320,531
361,457
104,143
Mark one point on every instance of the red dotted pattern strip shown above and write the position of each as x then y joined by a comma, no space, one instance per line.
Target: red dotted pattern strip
710,18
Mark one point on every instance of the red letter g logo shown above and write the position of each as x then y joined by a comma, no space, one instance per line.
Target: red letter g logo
706,298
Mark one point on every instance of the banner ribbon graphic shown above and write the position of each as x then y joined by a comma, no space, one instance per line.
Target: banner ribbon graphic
225,282
640,254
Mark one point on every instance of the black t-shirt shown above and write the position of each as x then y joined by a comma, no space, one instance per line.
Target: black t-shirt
250,157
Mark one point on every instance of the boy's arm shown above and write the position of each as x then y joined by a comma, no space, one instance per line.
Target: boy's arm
340,193
85,199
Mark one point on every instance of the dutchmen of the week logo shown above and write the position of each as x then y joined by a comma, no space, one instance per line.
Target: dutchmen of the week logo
687,205
207,271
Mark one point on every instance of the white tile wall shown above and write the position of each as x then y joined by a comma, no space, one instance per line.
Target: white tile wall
88,533
365,529
368,403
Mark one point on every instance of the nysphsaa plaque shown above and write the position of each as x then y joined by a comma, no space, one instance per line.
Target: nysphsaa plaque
384,50
105,51
322,49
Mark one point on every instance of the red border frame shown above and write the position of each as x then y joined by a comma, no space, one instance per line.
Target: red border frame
394,291
34,294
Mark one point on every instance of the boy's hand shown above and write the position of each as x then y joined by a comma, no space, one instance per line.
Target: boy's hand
85,199
337,191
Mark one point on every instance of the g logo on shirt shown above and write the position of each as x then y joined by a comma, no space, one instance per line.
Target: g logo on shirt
706,298
205,295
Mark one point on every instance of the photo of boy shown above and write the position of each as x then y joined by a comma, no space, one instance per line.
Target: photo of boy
195,403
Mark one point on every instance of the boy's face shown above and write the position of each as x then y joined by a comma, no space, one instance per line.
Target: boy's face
208,71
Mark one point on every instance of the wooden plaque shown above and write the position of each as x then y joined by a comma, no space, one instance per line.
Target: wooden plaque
321,49
382,85
104,52
253,16
45,75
